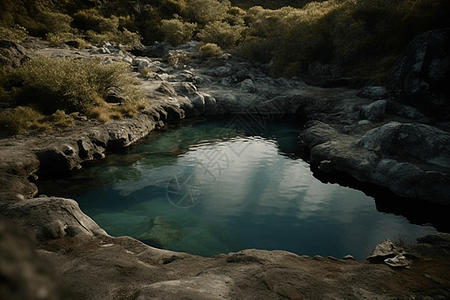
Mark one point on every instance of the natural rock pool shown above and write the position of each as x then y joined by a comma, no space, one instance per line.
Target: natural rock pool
215,186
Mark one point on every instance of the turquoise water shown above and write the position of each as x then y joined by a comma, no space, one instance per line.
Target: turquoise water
210,187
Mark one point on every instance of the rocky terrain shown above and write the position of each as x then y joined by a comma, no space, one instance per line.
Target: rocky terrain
396,137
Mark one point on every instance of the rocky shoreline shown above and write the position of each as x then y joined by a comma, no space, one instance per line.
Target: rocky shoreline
365,133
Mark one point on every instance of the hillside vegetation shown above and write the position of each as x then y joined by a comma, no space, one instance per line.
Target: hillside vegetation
346,32
363,37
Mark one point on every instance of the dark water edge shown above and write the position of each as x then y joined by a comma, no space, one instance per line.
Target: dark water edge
416,211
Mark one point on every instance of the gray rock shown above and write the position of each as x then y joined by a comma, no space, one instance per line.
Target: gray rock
114,95
382,251
186,88
210,102
25,274
167,89
198,100
404,110
422,74
406,140
247,86
374,111
374,92
127,59
186,75
11,54
402,157
403,178
47,218
201,80
222,71
143,63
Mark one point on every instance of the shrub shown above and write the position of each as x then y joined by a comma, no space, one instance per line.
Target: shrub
57,39
15,33
423,15
127,39
90,19
206,11
21,119
60,119
37,20
177,32
54,21
210,50
221,33
168,8
72,85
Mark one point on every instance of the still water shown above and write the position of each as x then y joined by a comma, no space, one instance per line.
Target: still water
218,186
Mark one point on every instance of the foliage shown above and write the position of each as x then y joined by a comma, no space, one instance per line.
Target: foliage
60,119
347,32
206,11
72,85
15,33
177,32
210,50
90,19
54,21
169,8
21,119
59,38
221,33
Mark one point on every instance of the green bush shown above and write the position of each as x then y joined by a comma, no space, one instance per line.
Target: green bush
210,50
21,119
206,11
221,33
60,119
169,8
59,38
177,32
15,33
90,19
127,39
71,85
54,21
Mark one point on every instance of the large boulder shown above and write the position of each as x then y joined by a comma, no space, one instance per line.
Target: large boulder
47,218
421,76
412,160
407,141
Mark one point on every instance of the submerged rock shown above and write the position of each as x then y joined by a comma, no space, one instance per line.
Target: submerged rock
161,232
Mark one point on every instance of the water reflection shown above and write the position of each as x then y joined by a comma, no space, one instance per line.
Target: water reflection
253,192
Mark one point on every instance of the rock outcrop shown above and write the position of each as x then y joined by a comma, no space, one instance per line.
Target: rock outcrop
422,74
11,54
412,160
